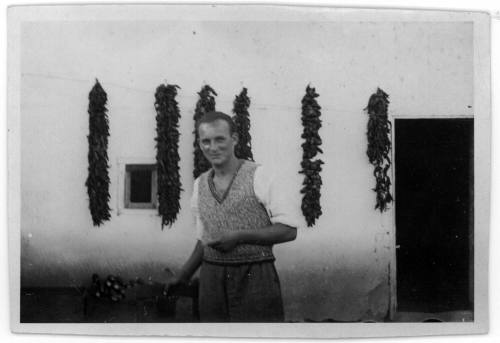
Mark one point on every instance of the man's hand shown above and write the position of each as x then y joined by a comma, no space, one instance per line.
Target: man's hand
174,282
187,271
226,242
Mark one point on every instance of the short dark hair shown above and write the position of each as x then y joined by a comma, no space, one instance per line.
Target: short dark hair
212,116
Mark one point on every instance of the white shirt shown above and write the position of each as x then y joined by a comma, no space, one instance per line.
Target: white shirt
279,205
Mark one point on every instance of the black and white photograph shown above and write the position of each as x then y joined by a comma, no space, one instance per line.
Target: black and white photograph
248,170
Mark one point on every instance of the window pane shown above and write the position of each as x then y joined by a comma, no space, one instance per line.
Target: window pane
140,186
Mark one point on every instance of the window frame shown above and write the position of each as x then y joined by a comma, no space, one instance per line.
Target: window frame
121,163
153,204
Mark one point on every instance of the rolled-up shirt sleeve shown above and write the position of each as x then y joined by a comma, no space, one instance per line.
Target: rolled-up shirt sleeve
279,204
195,211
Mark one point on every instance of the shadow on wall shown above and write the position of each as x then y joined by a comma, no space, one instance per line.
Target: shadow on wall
343,295
48,268
336,295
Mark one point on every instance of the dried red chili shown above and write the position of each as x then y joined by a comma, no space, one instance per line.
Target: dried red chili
167,153
206,103
242,122
311,207
98,178
379,146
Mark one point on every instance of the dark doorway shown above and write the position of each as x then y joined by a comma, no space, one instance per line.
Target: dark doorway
434,214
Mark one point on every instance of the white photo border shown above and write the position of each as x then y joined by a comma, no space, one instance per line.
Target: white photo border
482,163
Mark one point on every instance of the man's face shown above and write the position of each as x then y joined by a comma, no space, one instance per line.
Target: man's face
216,142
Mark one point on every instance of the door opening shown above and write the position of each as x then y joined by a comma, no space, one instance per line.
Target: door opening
434,214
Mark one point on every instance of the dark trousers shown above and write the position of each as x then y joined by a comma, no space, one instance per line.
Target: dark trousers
240,293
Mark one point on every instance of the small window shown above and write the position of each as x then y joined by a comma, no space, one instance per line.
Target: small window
140,186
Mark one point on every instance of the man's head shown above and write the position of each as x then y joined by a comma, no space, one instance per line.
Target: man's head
217,137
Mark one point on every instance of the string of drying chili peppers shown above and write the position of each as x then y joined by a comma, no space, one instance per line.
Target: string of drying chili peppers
98,179
379,146
167,153
206,103
242,122
311,207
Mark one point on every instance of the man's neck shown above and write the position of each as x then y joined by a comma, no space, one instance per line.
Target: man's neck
228,168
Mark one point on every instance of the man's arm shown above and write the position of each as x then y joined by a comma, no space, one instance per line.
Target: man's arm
273,234
188,269
192,264
194,261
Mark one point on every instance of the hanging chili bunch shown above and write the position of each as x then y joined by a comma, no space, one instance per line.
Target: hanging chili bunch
205,104
167,153
98,179
379,146
311,208
242,121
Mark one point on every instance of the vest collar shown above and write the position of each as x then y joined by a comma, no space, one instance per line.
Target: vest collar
213,189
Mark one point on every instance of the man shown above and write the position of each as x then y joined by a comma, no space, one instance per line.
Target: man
239,217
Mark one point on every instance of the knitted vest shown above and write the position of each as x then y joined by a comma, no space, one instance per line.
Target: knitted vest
240,210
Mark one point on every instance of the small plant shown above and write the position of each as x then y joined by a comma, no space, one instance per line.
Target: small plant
112,288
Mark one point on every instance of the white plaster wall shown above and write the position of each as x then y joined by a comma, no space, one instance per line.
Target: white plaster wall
340,268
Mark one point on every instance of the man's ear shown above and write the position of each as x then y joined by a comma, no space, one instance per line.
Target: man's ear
235,137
